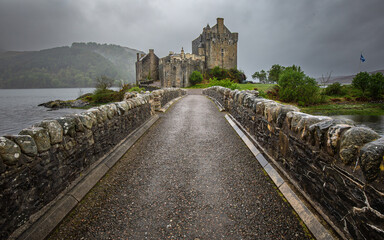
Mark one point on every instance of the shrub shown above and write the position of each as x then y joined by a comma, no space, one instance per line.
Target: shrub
334,89
136,89
233,74
195,78
104,82
106,96
361,81
295,86
227,83
376,85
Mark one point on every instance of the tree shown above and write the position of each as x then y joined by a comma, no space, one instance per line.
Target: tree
376,85
195,78
262,76
361,81
295,86
324,80
103,82
274,73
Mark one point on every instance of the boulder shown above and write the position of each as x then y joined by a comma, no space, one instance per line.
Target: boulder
9,151
54,129
352,140
319,130
88,119
26,144
41,137
68,124
371,157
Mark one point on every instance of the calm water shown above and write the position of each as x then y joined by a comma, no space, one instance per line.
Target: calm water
374,122
18,107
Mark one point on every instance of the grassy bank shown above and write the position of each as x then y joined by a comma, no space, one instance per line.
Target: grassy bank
355,108
335,105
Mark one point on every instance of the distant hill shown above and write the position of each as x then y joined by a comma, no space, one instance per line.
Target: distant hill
75,66
344,79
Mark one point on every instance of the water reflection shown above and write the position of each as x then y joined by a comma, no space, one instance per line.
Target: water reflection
376,123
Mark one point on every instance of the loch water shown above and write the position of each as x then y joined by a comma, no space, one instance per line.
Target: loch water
19,110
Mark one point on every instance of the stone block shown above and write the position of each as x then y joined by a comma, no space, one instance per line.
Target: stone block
282,113
104,112
333,138
26,144
96,112
41,137
293,119
352,140
54,129
371,157
68,124
9,151
320,129
303,127
88,119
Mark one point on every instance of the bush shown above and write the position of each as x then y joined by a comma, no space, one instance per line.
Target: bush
295,86
195,78
233,74
136,89
376,85
104,82
227,83
334,89
106,96
361,81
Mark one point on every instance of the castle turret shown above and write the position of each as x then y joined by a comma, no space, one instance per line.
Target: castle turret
218,45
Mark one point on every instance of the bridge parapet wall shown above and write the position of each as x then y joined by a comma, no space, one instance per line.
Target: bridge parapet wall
339,165
42,161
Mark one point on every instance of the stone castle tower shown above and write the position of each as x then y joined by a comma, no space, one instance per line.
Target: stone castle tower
218,45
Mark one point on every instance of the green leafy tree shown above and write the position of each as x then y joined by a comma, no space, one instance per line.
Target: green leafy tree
376,85
262,76
295,86
195,78
361,81
274,73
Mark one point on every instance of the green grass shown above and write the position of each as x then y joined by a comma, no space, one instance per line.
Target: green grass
259,86
355,108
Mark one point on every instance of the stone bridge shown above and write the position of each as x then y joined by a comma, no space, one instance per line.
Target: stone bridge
231,167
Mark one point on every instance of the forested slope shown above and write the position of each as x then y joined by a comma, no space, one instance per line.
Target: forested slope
75,66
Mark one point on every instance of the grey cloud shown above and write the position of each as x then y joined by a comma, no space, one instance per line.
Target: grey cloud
321,36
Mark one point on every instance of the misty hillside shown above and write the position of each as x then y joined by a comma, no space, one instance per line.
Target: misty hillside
75,66
344,79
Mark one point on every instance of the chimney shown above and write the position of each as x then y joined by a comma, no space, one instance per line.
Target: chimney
138,56
220,25
151,51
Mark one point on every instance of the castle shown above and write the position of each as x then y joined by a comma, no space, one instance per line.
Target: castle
215,46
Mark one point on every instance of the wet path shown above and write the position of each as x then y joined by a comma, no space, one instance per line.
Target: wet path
189,177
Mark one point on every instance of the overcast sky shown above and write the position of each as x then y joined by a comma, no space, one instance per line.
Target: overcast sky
319,35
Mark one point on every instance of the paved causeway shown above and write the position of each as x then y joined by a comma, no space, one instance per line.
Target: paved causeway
189,177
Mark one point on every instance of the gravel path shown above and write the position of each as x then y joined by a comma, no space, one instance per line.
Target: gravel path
189,177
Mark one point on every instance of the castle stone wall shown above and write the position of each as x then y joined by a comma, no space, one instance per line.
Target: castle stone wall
338,165
40,162
146,67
